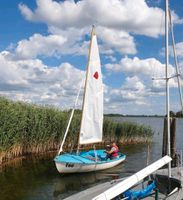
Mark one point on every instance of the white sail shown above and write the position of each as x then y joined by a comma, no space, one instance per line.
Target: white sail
92,116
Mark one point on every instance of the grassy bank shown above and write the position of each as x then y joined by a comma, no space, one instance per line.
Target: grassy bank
27,129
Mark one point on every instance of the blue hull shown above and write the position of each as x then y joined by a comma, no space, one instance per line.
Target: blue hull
86,161
86,157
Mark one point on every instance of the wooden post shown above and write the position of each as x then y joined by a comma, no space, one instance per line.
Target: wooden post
164,147
156,194
172,139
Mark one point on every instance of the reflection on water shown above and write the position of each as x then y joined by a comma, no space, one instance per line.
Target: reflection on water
37,178
33,179
70,184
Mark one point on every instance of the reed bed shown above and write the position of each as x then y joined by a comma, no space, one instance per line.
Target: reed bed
32,129
126,132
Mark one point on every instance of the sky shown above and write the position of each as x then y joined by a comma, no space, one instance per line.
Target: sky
44,52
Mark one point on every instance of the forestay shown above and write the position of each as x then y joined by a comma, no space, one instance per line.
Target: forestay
92,116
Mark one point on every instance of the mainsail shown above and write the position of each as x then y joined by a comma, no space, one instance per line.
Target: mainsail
92,115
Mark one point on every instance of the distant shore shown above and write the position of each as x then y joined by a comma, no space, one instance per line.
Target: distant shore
178,115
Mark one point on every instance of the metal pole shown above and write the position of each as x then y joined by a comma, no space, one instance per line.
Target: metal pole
167,82
176,63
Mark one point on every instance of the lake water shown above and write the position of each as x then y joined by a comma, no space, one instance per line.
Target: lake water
38,179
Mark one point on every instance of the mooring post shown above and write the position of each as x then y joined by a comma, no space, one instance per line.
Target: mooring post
165,140
156,194
172,139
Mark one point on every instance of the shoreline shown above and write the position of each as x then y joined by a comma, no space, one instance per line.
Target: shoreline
8,157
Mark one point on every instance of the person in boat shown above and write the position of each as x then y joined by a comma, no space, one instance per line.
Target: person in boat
112,153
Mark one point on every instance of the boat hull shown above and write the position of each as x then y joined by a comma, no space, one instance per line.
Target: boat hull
81,163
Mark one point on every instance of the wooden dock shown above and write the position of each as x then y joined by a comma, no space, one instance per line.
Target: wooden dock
92,192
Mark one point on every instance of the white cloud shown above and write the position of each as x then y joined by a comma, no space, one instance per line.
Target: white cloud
179,49
32,81
181,68
145,70
71,41
137,96
116,21
133,83
9,71
108,13
111,58
175,18
76,40
133,89
148,67
131,97
40,45
119,41
60,42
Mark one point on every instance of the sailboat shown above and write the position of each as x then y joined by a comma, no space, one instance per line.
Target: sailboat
91,123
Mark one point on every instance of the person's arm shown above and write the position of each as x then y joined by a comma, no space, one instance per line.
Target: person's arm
111,151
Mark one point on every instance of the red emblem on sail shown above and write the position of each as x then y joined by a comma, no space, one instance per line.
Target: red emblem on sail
96,75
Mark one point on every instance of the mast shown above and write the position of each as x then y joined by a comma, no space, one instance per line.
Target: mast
92,110
87,71
167,80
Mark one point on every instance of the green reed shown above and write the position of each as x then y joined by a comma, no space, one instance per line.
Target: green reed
27,128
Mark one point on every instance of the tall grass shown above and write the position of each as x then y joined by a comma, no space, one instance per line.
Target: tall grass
126,132
26,129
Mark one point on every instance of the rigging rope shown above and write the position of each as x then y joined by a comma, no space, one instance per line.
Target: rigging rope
70,119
